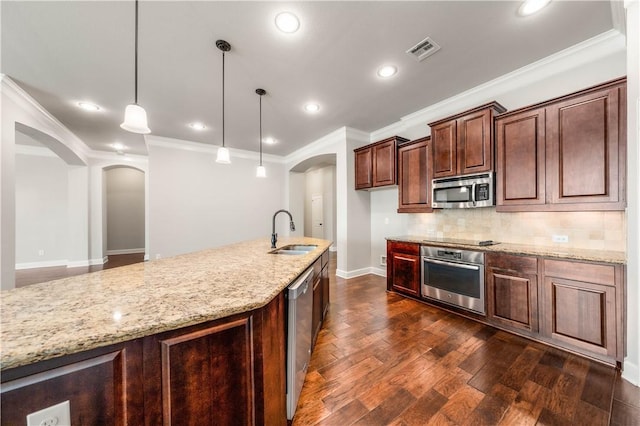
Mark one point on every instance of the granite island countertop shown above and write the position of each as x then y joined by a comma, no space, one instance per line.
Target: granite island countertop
75,314
606,256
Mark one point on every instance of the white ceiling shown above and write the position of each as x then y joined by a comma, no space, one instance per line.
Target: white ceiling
62,52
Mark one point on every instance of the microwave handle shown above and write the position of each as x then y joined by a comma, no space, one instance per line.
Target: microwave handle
473,193
453,265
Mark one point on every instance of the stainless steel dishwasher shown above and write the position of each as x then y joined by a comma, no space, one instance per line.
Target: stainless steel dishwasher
299,331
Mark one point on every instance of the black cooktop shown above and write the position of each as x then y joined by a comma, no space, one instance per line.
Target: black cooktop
480,243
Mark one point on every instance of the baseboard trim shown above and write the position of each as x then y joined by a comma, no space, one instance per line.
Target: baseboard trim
631,373
125,251
356,273
93,262
381,272
78,263
43,264
333,248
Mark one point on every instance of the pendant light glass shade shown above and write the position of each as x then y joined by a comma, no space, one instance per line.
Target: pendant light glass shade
223,156
261,172
135,119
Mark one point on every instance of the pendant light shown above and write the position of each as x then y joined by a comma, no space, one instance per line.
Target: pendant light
135,117
261,172
223,153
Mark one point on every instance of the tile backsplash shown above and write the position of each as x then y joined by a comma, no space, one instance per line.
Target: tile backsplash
585,230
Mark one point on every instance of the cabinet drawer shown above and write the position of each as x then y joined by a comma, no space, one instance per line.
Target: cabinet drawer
580,271
509,262
407,248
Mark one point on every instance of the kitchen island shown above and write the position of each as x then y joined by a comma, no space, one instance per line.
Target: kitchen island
148,331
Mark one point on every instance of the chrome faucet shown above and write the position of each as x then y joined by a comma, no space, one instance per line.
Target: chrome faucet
274,236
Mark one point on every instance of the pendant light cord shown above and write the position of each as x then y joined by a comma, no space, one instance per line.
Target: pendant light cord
223,98
261,130
136,59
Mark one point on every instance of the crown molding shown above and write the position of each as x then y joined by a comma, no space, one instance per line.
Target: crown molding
37,111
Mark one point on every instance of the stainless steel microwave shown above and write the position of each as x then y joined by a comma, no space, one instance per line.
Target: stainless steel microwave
463,192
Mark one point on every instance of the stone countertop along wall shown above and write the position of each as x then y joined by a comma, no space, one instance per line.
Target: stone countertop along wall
523,249
75,314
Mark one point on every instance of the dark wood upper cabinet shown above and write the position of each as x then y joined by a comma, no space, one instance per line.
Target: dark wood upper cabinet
566,154
463,143
414,176
375,164
520,159
364,168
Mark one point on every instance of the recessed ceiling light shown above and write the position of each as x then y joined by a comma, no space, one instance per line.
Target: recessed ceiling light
387,71
197,126
530,7
88,106
287,22
269,141
312,107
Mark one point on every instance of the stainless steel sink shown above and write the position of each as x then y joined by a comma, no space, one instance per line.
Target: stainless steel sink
294,249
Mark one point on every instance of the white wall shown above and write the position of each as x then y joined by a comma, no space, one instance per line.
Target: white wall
125,210
196,203
41,210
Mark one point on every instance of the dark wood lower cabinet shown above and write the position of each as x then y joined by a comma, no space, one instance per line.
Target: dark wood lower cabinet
512,291
104,386
225,372
403,268
584,306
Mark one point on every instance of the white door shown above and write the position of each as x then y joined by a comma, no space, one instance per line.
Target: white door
317,227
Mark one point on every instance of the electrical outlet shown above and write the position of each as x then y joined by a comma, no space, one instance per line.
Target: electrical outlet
41,252
560,238
56,415
383,260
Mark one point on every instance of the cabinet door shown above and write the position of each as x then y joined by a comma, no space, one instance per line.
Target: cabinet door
384,163
474,145
316,315
325,290
443,139
406,273
363,168
586,136
520,160
580,304
201,376
105,388
512,291
414,181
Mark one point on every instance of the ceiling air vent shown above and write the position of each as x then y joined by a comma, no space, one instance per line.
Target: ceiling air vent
424,49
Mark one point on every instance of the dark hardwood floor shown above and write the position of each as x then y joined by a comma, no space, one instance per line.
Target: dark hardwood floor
382,359
39,275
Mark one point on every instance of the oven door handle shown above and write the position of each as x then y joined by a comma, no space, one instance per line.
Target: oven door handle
454,265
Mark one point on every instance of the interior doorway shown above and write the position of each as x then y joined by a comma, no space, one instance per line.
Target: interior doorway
317,215
124,227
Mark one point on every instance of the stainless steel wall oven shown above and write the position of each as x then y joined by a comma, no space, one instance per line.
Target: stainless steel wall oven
454,276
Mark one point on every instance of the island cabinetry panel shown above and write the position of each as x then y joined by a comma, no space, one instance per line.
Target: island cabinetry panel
104,386
512,291
566,154
463,143
325,283
414,176
206,375
375,164
583,307
403,268
316,319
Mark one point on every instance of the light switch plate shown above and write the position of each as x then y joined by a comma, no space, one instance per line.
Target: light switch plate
56,415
